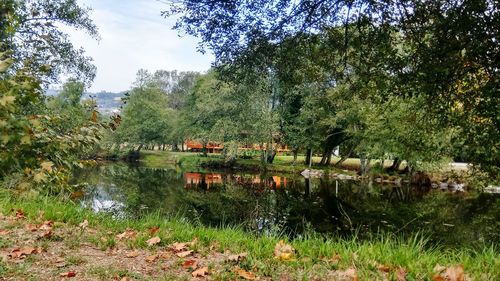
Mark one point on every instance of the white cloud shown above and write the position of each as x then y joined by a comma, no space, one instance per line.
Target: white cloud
134,36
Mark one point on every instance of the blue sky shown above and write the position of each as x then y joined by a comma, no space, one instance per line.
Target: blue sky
134,35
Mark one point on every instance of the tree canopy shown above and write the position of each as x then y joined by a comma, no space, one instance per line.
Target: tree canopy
442,53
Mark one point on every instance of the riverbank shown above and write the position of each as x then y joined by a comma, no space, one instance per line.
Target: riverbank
44,238
454,176
281,164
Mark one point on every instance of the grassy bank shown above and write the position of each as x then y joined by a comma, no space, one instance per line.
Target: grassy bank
193,161
74,248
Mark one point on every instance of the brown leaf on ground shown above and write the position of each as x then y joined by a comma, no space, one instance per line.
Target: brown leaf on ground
190,264
4,231
67,274
127,234
46,225
84,224
439,268
452,273
349,274
245,274
178,246
164,255
45,234
60,262
153,230
237,258
184,254
401,274
31,227
153,241
23,252
284,251
193,242
132,254
384,267
200,272
20,214
334,259
151,258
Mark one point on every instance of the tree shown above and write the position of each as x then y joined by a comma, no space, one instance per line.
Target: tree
146,118
69,105
34,149
30,30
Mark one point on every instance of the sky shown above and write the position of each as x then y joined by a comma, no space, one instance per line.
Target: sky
134,35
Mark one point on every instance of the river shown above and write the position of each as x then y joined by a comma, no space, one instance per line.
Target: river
292,205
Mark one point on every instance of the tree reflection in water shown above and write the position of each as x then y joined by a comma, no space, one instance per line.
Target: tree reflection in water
293,205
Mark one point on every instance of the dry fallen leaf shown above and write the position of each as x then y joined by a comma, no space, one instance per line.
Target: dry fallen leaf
452,273
132,254
46,225
23,252
200,272
237,258
153,241
384,267
84,224
401,274
68,274
20,214
4,231
31,227
184,254
127,234
152,258
190,264
245,274
46,234
179,246
349,274
284,251
153,230
334,259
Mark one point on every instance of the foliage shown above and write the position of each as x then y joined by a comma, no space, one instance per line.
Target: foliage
38,146
146,117
442,52
31,31
33,148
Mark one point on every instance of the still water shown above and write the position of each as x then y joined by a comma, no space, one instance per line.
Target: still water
293,205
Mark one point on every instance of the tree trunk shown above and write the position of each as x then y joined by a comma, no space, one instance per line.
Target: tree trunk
295,154
329,158
324,156
395,165
308,156
203,149
364,165
270,158
344,157
140,147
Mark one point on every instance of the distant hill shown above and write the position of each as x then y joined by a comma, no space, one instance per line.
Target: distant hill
107,102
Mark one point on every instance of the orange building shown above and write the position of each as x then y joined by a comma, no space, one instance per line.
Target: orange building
213,147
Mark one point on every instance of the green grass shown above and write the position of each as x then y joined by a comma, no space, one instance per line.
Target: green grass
413,253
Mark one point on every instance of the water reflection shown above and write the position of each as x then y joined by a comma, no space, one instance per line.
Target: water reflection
293,205
206,180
